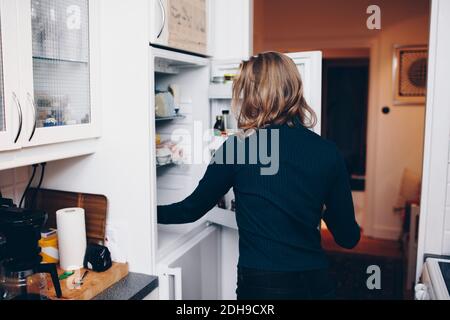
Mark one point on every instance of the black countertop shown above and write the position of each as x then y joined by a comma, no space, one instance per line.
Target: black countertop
134,286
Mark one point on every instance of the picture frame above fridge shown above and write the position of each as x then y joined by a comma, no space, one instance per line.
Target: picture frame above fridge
410,68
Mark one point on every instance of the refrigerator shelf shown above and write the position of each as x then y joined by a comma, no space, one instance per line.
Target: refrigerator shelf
175,117
168,164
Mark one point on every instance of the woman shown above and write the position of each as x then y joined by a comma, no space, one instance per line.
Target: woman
278,214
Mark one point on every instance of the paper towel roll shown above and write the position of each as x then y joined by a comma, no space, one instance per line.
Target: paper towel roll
71,228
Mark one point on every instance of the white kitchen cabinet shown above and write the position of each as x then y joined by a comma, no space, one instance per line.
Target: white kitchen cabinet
59,61
231,29
218,28
51,84
180,24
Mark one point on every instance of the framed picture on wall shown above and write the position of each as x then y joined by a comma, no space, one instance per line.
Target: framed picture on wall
410,75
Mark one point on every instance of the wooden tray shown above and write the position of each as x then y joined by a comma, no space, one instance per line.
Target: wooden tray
94,283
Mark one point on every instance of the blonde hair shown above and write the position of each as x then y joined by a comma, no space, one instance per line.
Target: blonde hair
269,90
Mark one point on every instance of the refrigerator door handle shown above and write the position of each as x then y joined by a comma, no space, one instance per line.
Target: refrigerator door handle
170,269
175,273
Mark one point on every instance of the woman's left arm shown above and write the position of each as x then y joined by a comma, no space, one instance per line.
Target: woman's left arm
217,180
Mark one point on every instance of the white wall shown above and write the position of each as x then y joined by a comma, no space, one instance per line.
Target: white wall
399,134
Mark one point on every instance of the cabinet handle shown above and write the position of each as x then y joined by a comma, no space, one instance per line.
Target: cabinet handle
19,111
176,274
33,105
163,15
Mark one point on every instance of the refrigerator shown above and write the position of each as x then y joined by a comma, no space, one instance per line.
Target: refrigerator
199,260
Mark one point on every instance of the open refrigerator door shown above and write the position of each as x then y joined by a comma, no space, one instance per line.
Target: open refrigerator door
204,120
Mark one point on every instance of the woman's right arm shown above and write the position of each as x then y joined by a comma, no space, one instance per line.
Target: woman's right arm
216,182
339,215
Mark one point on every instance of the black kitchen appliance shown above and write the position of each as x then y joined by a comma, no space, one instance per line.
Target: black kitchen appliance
21,268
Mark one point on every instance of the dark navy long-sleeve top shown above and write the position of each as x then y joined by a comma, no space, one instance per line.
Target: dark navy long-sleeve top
279,203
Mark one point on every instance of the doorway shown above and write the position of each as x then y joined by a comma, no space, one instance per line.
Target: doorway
345,92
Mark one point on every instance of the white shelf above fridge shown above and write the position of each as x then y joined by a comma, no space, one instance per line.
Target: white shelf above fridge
171,62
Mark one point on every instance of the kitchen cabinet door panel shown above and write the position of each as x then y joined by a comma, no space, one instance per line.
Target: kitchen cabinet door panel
187,24
231,24
11,112
180,24
59,67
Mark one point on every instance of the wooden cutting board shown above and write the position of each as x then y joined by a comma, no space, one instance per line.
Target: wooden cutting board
94,283
95,207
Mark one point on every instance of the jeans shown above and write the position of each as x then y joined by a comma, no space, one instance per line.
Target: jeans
273,285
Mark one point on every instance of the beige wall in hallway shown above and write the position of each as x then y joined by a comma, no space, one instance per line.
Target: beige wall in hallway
400,134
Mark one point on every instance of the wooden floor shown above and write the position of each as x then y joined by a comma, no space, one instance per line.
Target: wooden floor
349,268
366,246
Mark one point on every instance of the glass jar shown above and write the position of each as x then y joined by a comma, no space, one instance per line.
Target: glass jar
23,285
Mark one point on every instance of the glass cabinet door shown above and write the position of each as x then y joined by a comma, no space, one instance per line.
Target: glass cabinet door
61,64
6,122
11,115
